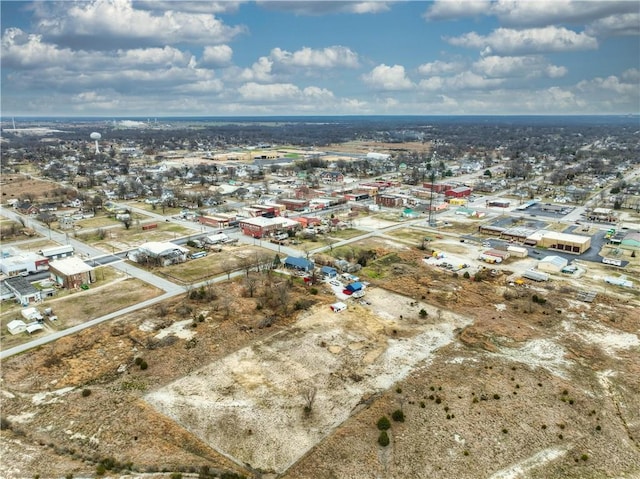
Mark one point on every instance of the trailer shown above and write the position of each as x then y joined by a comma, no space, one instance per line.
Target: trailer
535,275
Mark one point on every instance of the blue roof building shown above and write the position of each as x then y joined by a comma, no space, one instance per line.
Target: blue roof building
357,286
299,263
328,271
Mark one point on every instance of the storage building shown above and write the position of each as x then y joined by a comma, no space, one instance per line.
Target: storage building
552,264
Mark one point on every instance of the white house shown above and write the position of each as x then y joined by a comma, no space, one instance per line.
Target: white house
17,326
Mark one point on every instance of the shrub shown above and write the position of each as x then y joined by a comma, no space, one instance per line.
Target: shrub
423,313
398,415
383,423
4,424
143,365
86,393
313,290
505,430
466,275
496,396
383,439
584,457
138,361
598,428
100,469
399,390
422,404
176,475
466,453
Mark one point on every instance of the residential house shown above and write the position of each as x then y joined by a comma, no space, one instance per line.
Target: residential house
300,264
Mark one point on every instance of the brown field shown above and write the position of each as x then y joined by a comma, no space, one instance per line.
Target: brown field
16,186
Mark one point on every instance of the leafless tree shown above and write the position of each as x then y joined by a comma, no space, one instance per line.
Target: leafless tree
283,296
227,267
309,396
251,283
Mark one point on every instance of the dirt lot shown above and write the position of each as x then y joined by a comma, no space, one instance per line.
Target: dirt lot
492,383
241,402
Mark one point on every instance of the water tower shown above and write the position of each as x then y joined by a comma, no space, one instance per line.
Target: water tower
96,136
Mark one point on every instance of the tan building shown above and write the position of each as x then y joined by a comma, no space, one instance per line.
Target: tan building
568,243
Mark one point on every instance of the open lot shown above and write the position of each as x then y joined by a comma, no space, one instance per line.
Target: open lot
240,403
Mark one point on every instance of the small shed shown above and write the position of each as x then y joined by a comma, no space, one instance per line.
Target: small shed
353,287
338,307
301,264
328,272
17,326
552,264
33,327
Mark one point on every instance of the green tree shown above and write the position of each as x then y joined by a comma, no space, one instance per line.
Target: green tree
383,439
383,423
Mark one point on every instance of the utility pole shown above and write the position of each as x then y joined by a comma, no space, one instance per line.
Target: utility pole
433,178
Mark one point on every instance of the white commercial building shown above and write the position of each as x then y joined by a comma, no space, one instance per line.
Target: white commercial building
23,262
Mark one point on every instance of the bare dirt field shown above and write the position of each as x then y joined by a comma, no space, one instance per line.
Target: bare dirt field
240,403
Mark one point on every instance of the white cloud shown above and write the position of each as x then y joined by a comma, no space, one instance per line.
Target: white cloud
189,6
203,86
368,7
329,57
462,81
614,25
217,55
532,40
470,80
517,66
453,9
259,71
546,12
102,24
312,8
388,78
439,67
139,57
434,83
611,84
283,92
29,51
530,12
631,75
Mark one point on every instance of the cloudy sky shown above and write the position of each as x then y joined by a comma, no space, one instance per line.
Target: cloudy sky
119,58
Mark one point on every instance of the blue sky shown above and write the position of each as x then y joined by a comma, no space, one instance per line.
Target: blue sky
187,58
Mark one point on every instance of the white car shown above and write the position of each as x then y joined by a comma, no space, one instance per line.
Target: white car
335,283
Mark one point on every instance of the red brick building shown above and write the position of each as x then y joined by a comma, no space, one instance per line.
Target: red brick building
460,192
